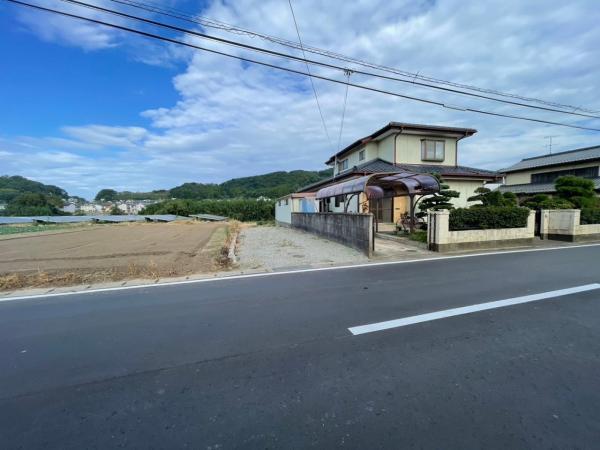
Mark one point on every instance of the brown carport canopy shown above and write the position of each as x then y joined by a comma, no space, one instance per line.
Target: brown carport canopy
383,185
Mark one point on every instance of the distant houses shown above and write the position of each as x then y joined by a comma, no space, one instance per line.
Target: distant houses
105,207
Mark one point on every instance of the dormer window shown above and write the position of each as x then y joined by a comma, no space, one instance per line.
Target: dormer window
432,150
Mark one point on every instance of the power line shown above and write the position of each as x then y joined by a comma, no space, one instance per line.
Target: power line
314,62
299,72
212,23
348,73
309,76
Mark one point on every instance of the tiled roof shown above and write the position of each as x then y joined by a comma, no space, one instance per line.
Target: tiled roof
381,166
540,188
403,126
582,154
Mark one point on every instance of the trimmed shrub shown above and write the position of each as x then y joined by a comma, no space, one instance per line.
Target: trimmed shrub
543,201
245,210
590,216
577,190
488,217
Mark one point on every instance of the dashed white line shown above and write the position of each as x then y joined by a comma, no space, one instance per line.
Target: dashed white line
379,326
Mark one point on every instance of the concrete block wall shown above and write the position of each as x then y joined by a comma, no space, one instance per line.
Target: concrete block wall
564,225
351,229
441,239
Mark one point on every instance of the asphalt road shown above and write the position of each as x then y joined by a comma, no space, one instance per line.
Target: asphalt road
269,362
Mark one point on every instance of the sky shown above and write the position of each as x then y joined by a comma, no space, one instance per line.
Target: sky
87,107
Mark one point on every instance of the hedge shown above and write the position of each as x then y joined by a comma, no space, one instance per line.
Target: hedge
240,209
589,216
488,217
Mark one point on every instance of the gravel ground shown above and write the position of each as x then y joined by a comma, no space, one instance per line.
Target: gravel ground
277,248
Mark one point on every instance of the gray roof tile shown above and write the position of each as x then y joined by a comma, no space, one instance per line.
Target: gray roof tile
539,188
582,154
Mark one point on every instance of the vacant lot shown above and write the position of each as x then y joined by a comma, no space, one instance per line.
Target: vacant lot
110,252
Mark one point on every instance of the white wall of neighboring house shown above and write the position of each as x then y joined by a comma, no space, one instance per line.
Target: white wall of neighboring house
283,210
69,208
285,206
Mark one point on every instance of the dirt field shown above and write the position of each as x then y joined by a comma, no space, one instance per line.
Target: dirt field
110,252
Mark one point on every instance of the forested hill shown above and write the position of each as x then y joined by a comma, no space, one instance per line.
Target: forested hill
271,185
12,186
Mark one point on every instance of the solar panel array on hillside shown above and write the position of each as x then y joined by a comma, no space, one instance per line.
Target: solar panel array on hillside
83,219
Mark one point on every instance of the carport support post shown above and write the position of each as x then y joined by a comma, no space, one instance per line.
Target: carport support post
412,213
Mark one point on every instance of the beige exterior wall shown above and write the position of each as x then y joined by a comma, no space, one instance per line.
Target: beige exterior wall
524,177
466,188
371,152
408,150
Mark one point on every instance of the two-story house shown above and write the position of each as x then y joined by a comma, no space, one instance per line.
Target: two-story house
401,147
538,174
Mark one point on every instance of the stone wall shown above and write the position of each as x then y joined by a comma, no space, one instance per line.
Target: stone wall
351,229
564,225
441,239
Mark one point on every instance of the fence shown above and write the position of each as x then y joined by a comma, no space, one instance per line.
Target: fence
441,239
564,225
351,229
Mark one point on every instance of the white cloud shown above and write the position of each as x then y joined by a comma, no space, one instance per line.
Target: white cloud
236,119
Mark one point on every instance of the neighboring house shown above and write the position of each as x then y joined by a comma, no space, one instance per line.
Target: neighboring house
71,208
537,175
91,208
2,206
403,147
298,202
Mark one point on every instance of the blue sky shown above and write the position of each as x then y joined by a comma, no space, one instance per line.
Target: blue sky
85,107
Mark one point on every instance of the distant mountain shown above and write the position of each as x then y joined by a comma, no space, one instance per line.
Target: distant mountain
272,185
13,186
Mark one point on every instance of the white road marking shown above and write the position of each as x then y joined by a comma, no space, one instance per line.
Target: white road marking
287,272
379,326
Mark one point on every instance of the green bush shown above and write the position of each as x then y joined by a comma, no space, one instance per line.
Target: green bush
589,216
543,201
488,217
487,197
245,210
577,190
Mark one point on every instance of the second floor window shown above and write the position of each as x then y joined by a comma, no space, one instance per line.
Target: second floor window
361,155
343,165
432,150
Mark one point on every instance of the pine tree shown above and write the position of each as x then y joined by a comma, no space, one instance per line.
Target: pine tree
438,201
488,197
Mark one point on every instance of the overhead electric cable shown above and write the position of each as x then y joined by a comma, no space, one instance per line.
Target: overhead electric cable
212,23
348,73
290,70
309,75
318,63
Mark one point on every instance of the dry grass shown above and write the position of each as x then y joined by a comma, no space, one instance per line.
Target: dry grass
231,235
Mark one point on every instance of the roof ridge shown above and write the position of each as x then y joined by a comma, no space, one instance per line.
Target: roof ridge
561,153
